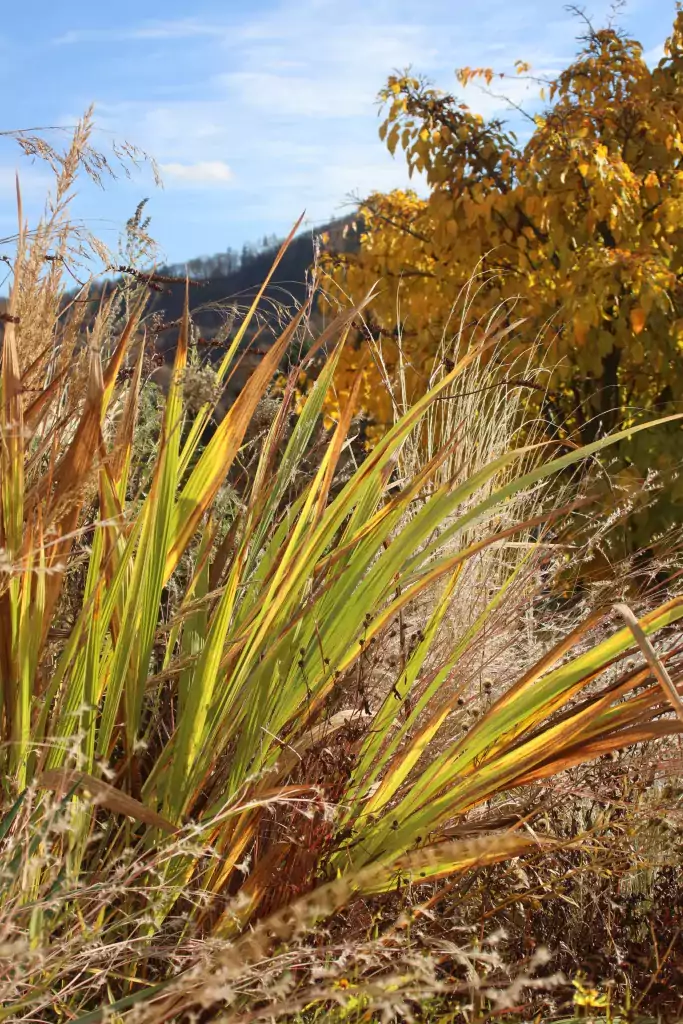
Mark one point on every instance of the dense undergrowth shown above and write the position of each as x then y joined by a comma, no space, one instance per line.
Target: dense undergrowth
280,732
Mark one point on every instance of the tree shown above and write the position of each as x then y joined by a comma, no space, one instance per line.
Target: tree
582,224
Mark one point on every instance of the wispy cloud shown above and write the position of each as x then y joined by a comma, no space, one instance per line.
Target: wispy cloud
288,95
289,103
654,55
270,104
511,97
182,28
32,181
210,173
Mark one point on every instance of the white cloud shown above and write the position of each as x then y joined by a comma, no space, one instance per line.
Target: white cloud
35,183
289,102
206,172
32,180
505,96
182,28
277,100
296,96
654,55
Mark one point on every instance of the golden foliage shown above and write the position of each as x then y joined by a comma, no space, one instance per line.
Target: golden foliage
581,226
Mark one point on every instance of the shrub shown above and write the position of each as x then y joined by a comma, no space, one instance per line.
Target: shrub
576,228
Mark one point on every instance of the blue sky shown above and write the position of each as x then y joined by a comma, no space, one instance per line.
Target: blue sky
256,109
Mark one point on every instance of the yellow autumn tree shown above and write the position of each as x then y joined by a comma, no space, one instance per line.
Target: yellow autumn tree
582,224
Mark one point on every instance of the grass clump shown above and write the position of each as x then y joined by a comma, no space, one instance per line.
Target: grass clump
212,760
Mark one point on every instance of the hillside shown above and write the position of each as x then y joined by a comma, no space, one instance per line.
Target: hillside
222,288
223,285
228,282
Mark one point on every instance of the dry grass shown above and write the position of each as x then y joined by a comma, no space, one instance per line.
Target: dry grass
273,876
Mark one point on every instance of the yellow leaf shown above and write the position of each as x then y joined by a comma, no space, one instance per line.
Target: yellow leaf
583,169
580,331
638,318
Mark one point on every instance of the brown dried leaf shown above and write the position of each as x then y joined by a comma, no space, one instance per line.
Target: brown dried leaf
64,779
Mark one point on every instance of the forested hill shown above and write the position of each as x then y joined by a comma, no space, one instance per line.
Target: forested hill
233,278
223,286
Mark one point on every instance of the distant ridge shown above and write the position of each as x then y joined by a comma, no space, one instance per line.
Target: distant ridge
220,285
231,280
